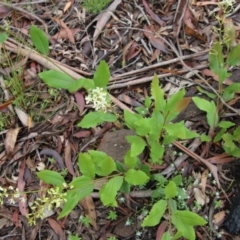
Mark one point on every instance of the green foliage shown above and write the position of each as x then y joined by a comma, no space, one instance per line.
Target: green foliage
72,237
51,177
3,37
93,118
112,215
39,39
95,6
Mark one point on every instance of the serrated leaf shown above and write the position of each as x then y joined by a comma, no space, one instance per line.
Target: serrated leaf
170,190
143,126
51,177
137,145
226,124
156,152
136,177
120,167
233,58
80,83
190,218
102,75
155,214
109,191
157,94
86,165
39,39
56,79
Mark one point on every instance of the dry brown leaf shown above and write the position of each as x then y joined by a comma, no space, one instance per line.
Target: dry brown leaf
56,228
67,6
69,33
204,178
156,42
218,218
153,15
10,141
24,117
199,196
68,159
89,210
194,33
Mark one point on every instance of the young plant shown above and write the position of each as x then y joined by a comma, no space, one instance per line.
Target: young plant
95,6
219,65
119,177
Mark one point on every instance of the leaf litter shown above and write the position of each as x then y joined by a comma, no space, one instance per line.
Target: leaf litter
136,39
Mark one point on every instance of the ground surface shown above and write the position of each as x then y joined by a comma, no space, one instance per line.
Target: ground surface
38,125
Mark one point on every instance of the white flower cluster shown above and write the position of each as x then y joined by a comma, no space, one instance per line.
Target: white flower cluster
99,98
228,3
11,193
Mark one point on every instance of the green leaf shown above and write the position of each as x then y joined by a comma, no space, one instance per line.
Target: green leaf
147,102
56,79
155,214
226,124
216,60
3,37
39,39
137,145
126,187
102,75
108,117
183,230
130,161
94,118
210,108
170,190
233,58
80,83
229,146
120,167
166,236
205,138
86,165
156,152
109,191
177,179
209,94
175,105
51,177
228,93
104,164
157,94
143,126
131,118
136,177
190,218
179,130
84,187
